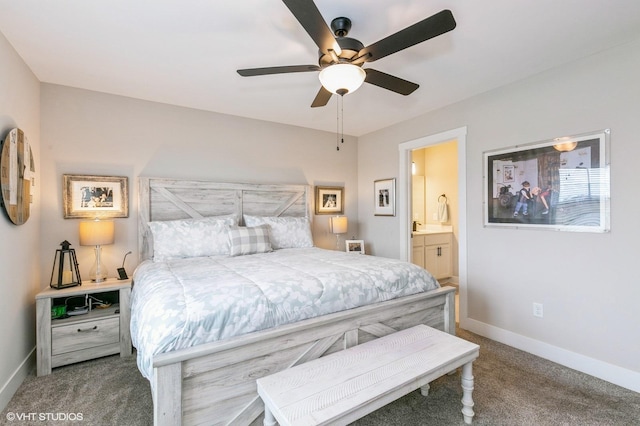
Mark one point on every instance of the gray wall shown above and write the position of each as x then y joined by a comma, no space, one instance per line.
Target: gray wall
586,281
86,132
19,245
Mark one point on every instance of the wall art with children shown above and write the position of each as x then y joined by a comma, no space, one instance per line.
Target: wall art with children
560,184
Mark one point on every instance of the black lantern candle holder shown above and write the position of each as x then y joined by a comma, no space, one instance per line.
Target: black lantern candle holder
65,271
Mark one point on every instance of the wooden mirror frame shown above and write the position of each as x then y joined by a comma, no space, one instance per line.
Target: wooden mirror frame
17,170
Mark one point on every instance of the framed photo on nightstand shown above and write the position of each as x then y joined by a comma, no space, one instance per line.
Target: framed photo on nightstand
355,246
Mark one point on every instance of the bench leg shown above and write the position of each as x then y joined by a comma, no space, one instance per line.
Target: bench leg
467,389
424,390
269,420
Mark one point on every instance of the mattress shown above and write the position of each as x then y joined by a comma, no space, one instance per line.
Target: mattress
181,303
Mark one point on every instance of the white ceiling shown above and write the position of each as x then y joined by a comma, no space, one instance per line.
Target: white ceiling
186,52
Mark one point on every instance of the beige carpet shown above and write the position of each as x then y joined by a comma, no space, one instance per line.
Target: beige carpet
511,388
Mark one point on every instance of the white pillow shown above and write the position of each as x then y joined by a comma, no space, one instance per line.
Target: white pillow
191,237
249,240
286,232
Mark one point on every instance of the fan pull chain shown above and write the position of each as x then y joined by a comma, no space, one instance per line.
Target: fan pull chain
339,122
342,121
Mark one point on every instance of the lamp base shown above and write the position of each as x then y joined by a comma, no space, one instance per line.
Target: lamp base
98,277
98,272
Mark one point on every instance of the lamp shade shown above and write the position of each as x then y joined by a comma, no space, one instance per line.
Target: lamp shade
339,224
96,232
342,78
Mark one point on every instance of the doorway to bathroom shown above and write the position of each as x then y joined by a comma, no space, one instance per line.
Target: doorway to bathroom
434,209
405,210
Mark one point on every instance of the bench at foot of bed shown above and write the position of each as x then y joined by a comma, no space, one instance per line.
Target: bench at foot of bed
345,386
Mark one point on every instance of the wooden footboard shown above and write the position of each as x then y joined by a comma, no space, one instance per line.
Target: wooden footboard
214,384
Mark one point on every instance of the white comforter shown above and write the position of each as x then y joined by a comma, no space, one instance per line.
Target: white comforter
185,302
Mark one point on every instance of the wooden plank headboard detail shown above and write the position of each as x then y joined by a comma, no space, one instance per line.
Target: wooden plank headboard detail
170,199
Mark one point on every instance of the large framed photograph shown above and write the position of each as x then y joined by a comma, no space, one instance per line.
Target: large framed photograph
560,184
384,192
329,200
355,246
95,196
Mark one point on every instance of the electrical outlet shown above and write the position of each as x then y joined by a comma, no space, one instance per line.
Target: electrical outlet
537,310
435,216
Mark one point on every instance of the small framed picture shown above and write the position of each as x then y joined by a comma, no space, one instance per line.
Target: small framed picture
329,200
384,191
355,246
94,196
508,173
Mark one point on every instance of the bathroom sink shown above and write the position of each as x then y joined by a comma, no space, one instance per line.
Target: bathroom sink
433,230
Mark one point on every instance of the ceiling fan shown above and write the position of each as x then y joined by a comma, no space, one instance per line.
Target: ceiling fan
341,57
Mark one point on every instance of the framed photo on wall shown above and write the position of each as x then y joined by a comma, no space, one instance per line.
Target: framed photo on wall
95,196
329,200
384,193
560,184
355,246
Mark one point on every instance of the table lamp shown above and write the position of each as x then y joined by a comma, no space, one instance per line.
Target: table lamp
338,226
97,233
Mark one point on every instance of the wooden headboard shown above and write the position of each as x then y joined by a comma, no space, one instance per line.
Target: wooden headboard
170,199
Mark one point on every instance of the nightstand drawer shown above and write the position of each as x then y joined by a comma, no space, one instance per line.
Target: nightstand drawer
85,335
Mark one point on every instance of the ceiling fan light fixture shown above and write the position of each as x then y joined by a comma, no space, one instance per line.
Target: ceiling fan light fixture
342,78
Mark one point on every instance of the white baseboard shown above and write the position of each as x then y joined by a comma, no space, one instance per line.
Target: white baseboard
16,379
611,373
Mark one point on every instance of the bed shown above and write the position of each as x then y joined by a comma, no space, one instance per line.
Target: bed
205,374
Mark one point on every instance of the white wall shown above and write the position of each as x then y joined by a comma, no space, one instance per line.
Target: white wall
86,132
19,245
587,282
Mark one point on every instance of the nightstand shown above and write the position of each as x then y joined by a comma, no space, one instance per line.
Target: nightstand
100,332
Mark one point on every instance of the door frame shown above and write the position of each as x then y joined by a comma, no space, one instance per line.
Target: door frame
404,201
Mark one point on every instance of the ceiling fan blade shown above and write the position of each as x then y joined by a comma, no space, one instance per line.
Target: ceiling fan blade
307,13
390,82
431,27
250,72
322,98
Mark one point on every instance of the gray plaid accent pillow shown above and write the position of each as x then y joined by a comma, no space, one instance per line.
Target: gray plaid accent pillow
286,232
249,240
